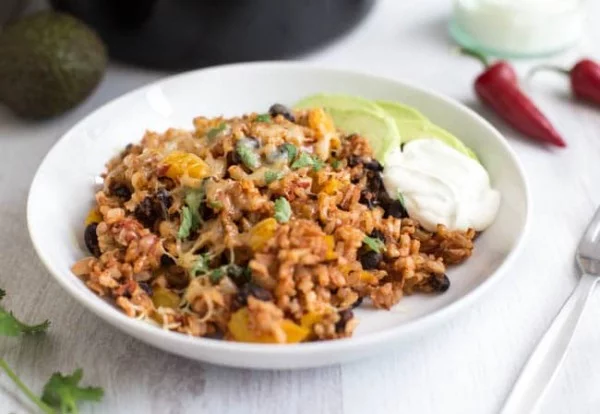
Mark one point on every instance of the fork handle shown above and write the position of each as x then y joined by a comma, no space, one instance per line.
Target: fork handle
550,352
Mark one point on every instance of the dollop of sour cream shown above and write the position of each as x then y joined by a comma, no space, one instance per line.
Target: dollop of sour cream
440,185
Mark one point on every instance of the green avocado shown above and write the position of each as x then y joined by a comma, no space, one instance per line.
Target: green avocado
379,129
372,120
49,63
338,101
399,111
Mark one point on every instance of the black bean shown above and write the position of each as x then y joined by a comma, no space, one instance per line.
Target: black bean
251,289
145,213
121,191
279,109
358,302
394,208
345,316
166,260
177,277
373,165
162,202
153,207
439,283
368,199
377,234
238,274
375,182
145,287
353,161
233,158
91,239
369,259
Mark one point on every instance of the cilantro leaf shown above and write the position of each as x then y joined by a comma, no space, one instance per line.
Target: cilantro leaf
213,132
291,150
401,199
247,154
187,222
263,118
11,326
216,275
317,163
374,244
283,211
63,393
271,176
202,265
303,160
335,164
307,160
190,213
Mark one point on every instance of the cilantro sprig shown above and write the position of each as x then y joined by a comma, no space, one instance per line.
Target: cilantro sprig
271,176
213,132
247,154
307,160
61,393
283,211
374,244
263,118
11,326
190,213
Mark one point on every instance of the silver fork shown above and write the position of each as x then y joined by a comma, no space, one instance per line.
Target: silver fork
548,356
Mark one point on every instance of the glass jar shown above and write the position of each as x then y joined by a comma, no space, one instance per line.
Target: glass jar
517,28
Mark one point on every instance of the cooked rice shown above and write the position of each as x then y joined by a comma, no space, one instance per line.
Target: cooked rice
240,274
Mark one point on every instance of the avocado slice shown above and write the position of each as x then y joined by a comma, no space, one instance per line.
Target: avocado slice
399,111
411,130
412,125
339,101
380,130
385,124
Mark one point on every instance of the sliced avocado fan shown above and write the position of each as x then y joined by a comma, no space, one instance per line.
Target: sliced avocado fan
385,124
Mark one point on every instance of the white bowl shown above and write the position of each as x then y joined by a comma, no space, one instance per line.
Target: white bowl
63,189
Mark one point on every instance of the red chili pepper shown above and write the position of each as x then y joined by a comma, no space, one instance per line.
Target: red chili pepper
585,79
498,88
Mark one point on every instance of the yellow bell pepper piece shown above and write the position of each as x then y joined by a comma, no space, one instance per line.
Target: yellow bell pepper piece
93,216
182,163
239,329
261,233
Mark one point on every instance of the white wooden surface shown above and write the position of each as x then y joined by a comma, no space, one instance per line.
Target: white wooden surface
466,366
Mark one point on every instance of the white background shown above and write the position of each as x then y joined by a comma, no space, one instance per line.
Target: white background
466,366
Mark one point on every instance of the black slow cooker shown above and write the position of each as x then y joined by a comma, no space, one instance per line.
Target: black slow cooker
183,34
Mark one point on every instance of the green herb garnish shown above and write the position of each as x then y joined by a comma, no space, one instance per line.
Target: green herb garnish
216,275
201,265
247,154
374,244
291,150
239,274
187,222
271,176
11,326
335,164
63,392
263,118
190,213
213,132
317,163
401,199
283,211
303,160
307,160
